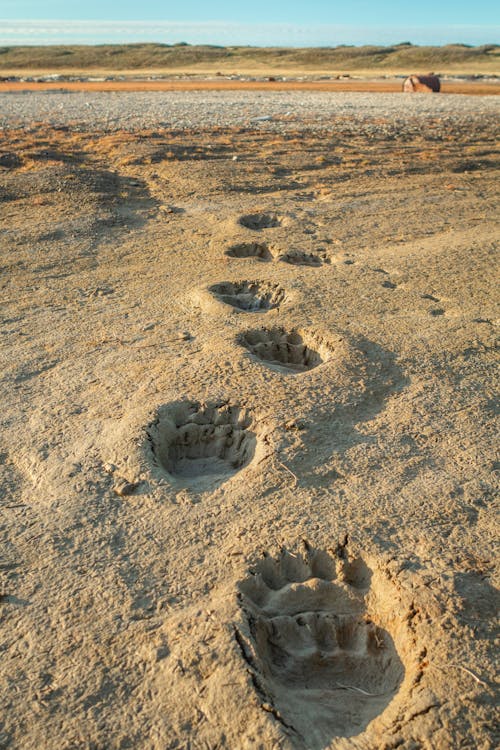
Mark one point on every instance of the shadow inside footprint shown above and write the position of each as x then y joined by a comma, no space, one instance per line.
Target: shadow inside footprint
202,443
289,351
299,258
259,221
317,657
258,250
250,296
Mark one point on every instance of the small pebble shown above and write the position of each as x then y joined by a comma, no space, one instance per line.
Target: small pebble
122,489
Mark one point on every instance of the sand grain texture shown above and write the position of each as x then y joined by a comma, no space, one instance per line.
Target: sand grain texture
164,453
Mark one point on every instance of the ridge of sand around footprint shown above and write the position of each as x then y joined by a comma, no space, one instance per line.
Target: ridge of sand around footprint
164,454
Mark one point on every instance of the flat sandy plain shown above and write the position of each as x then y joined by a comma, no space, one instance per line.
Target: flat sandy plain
247,455
389,85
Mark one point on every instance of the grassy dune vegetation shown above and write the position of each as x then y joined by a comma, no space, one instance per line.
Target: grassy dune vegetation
404,57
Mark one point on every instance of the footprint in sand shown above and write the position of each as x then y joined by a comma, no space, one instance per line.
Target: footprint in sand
258,250
259,221
295,351
192,442
300,258
250,296
322,666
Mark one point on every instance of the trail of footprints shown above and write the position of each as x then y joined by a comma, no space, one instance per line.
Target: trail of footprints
318,661
193,443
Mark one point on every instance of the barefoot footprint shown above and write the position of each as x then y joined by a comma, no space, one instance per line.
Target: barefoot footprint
321,665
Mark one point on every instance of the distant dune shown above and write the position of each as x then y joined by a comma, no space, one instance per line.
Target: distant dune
399,59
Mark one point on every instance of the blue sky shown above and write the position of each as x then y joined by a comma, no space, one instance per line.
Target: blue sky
256,22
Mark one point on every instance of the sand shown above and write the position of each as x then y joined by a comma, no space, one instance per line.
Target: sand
248,447
386,85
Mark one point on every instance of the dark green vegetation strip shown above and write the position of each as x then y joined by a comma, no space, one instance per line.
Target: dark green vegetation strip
127,56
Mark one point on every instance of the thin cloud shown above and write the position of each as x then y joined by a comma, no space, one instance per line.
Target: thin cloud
214,32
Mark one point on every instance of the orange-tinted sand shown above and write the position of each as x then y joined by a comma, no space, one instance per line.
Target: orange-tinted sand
386,86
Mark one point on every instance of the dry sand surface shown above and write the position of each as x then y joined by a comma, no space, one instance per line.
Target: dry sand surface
247,456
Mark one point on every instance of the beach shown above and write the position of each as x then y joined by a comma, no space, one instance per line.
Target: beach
248,454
